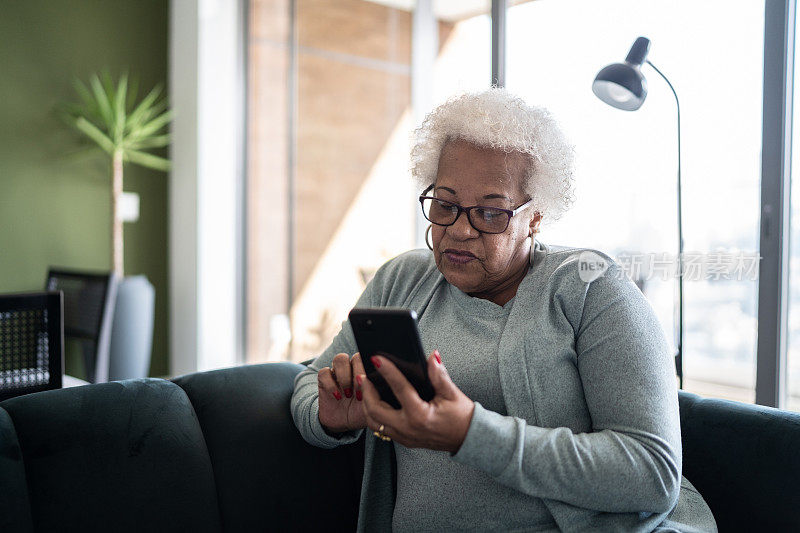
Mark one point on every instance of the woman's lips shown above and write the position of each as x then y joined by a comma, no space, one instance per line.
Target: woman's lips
459,256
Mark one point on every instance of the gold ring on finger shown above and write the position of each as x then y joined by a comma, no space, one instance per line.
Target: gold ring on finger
380,434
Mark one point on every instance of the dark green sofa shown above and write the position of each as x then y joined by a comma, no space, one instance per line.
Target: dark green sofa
218,451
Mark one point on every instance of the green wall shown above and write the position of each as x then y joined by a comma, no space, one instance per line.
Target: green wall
55,210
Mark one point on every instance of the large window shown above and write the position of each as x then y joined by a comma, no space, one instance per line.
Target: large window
336,87
626,192
331,113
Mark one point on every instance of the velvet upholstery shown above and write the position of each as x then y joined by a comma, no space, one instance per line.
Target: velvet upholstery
118,456
218,451
266,474
745,461
15,509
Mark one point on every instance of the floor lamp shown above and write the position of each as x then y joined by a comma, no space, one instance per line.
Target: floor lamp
622,85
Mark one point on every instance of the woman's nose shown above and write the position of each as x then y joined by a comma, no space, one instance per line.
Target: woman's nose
461,228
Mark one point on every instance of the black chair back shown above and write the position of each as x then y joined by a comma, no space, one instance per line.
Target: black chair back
89,299
31,343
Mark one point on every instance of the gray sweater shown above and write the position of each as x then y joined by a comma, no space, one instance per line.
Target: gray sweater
467,332
592,426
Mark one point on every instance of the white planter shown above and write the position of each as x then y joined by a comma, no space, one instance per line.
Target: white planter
132,330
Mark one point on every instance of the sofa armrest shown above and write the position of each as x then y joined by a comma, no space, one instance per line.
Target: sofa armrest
744,460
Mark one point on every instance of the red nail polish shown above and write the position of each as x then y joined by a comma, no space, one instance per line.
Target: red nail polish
337,395
348,392
358,395
358,379
437,356
375,361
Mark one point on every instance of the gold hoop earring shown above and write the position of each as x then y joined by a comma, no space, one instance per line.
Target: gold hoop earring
532,237
427,232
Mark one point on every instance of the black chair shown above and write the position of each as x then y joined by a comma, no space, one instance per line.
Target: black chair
89,299
31,343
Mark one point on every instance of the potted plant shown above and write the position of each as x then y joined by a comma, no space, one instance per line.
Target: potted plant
110,116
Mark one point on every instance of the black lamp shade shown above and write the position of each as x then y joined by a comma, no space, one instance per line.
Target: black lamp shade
621,85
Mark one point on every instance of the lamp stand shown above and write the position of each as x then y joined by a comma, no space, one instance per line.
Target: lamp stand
679,339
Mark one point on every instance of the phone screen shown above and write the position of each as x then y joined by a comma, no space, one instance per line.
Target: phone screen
392,333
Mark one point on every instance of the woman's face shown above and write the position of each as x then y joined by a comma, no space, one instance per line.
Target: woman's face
483,265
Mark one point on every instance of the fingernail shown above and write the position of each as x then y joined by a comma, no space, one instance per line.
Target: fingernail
358,395
337,395
348,392
375,361
437,356
358,379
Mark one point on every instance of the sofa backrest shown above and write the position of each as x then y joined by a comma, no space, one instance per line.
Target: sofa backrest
218,451
210,451
268,477
118,456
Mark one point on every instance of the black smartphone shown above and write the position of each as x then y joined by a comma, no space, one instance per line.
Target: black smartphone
392,333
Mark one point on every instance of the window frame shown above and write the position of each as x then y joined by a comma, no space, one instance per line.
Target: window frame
775,231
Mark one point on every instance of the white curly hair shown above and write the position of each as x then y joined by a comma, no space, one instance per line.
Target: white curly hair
497,119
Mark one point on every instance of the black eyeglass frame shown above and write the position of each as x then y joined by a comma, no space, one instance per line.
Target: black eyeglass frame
467,210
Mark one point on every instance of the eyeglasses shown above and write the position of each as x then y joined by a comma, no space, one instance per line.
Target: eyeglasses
483,218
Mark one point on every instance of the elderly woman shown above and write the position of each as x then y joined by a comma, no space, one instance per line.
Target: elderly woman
556,403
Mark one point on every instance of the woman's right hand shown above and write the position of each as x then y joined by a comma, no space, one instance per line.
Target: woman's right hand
340,406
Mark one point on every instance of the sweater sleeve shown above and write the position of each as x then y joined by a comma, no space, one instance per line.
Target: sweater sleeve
631,460
305,397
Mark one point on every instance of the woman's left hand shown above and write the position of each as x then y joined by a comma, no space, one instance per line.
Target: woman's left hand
440,424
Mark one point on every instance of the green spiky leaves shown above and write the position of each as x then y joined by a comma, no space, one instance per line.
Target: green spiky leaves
110,116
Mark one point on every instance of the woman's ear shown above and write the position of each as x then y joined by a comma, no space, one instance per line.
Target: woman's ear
534,224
